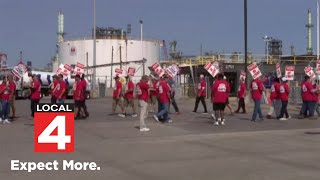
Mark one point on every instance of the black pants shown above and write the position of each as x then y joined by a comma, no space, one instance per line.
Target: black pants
200,98
284,110
84,106
174,103
53,100
33,106
241,105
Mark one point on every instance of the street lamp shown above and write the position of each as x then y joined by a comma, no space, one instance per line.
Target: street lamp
141,39
267,39
94,46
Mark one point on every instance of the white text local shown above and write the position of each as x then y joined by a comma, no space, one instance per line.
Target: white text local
54,108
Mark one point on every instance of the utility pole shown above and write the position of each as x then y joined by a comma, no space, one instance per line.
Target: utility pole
111,67
94,46
246,39
120,57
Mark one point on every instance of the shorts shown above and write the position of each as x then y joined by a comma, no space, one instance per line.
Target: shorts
153,99
219,106
78,103
127,102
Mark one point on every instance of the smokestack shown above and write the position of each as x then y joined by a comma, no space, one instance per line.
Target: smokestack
60,27
309,27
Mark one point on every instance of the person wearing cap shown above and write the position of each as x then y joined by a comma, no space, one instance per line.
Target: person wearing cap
35,93
284,96
164,97
128,98
275,99
257,89
12,87
61,90
116,95
241,96
142,92
219,96
307,96
201,94
78,97
53,87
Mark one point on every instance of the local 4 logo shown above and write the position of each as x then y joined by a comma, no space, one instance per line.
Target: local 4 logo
54,128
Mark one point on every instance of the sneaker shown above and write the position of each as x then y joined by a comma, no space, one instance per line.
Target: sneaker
134,115
122,115
283,119
289,117
170,121
6,121
222,122
144,129
205,113
1,120
156,118
216,123
213,116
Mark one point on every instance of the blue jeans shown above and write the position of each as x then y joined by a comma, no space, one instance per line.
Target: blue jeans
308,105
257,110
5,110
60,101
164,112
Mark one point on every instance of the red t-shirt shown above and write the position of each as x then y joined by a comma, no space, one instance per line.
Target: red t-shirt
84,86
306,88
77,93
284,91
155,90
220,91
6,93
242,90
143,88
202,88
129,86
275,91
256,89
117,89
12,87
36,94
2,87
164,90
60,87
53,86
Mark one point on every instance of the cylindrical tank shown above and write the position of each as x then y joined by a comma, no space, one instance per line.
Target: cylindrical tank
73,51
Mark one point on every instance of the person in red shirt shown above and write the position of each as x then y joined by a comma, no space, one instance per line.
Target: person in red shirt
53,87
61,90
257,89
284,96
5,94
241,96
201,94
78,98
275,99
219,96
12,87
142,91
35,93
307,97
164,97
128,97
84,85
116,95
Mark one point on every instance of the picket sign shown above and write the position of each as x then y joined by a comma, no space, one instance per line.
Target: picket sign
309,72
78,69
243,75
212,69
158,69
254,70
131,71
19,70
289,72
172,70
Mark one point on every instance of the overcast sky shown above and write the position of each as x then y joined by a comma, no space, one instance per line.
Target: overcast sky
31,25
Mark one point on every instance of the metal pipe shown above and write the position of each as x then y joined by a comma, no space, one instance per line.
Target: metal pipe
111,67
94,46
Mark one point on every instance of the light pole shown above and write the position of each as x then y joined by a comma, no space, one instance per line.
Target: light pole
141,39
267,39
318,29
94,47
246,39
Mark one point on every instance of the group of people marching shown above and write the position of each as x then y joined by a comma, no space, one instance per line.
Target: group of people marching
153,92
59,91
